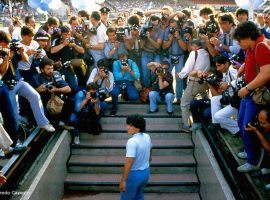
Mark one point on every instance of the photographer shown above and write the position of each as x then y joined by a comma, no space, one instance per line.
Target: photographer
151,40
225,41
264,22
96,38
125,72
198,62
261,128
16,85
77,29
176,45
89,110
114,44
102,77
50,82
66,49
256,70
163,90
221,109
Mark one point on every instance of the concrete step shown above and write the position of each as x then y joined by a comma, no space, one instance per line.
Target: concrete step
114,164
157,120
124,135
147,196
158,183
121,144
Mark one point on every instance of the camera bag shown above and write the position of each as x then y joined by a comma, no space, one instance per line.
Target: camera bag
55,105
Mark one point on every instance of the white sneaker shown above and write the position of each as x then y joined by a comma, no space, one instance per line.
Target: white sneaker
242,155
267,187
76,140
49,128
245,168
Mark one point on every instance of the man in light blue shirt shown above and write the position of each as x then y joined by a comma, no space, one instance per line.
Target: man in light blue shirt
125,72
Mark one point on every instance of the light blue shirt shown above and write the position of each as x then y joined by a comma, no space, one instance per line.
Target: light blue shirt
139,147
119,76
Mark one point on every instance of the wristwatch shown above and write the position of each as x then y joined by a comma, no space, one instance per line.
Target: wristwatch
247,88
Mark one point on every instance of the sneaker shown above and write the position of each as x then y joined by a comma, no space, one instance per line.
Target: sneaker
49,128
185,128
267,187
242,155
2,154
196,126
19,147
76,140
170,113
113,112
245,168
151,112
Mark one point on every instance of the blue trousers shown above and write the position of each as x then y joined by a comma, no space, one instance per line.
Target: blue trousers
10,123
200,109
135,185
130,91
154,97
247,111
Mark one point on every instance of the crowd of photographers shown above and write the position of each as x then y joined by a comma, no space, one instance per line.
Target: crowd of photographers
65,70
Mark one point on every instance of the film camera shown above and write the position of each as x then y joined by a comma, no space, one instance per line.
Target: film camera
71,39
66,64
188,30
93,30
10,84
79,29
124,63
210,26
105,70
212,79
240,82
255,123
120,33
160,71
146,27
3,52
14,46
172,30
101,94
164,17
49,85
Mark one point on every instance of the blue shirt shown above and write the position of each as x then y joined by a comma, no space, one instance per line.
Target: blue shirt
109,46
80,96
119,76
175,48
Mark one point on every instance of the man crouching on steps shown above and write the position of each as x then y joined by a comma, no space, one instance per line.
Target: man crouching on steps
138,155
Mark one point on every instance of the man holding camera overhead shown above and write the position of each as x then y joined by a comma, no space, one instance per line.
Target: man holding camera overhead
125,72
163,89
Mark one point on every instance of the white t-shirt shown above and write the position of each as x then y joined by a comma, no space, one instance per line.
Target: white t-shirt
139,147
22,65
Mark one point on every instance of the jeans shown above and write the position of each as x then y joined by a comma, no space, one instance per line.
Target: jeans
70,78
247,111
154,97
178,68
11,124
200,109
130,91
27,91
148,57
135,184
75,117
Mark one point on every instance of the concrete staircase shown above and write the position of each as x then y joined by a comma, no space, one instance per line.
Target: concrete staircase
95,166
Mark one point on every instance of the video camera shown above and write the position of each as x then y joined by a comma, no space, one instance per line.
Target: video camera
211,26
120,33
212,79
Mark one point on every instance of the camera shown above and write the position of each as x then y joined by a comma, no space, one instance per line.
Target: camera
120,33
11,84
93,95
162,95
71,39
49,85
101,94
105,70
181,21
3,52
93,30
79,29
172,30
212,79
164,17
66,64
188,30
240,83
255,123
211,26
14,46
160,71
124,63
56,30
134,27
146,27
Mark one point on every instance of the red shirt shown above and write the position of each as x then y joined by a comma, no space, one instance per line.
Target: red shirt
262,58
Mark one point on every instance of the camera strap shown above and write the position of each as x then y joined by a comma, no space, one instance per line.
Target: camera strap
12,69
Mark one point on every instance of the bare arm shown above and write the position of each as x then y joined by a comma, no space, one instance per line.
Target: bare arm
128,164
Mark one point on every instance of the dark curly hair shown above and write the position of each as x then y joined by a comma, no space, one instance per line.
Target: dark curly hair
137,121
247,30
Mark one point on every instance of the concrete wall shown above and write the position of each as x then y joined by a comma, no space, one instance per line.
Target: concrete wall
49,182
213,184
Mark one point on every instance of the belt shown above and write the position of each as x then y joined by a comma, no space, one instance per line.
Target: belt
193,79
